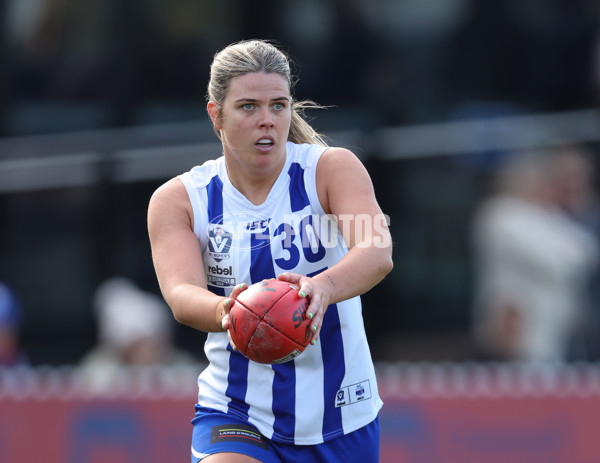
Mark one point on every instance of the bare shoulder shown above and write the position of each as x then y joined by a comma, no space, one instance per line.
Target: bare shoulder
341,173
169,191
169,201
338,156
170,194
341,165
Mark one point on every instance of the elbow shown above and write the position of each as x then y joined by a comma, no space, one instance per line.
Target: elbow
388,259
384,262
382,256
177,308
180,317
181,314
386,255
387,265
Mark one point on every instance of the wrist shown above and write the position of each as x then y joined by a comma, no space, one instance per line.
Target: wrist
221,311
326,283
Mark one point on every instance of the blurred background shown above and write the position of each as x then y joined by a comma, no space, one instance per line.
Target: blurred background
479,123
102,101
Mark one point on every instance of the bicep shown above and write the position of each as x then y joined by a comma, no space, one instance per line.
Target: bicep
176,252
346,191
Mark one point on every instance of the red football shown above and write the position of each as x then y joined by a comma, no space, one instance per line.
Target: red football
268,322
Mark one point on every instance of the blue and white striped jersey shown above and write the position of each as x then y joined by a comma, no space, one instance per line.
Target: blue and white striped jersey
330,389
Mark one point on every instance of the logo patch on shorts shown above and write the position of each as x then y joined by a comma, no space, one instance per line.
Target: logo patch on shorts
238,433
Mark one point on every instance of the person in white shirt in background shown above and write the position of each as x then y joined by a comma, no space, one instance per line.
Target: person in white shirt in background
532,266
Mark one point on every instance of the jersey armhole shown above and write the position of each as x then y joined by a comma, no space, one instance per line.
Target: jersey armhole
311,178
195,198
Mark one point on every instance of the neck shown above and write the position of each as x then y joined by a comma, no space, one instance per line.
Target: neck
254,186
256,193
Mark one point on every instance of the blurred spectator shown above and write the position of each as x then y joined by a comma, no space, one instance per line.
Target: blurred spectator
11,353
532,265
574,177
135,328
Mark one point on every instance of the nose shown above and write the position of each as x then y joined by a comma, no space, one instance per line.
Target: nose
266,117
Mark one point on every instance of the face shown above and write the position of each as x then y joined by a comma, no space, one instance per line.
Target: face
255,121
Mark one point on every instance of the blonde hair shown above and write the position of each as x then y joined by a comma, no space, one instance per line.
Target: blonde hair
261,56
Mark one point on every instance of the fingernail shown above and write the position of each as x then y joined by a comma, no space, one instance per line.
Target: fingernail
243,285
228,303
313,342
310,315
314,328
302,294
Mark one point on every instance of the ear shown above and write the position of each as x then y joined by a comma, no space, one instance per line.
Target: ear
214,113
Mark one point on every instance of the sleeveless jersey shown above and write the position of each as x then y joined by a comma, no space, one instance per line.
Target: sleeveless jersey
330,389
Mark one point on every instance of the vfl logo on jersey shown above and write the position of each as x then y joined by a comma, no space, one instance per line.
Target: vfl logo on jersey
219,241
219,262
352,394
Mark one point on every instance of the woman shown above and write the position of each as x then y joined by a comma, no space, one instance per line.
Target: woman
257,212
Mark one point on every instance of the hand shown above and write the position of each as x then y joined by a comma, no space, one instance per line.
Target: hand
318,291
224,307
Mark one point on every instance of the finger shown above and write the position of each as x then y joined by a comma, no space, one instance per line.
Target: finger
238,289
289,277
226,325
305,290
295,279
315,325
315,329
231,341
318,314
225,322
313,306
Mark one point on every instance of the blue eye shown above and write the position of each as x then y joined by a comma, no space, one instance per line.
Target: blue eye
278,106
248,107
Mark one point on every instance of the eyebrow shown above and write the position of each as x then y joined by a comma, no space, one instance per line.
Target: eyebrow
252,100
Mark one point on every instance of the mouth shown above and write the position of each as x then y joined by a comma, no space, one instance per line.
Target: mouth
265,143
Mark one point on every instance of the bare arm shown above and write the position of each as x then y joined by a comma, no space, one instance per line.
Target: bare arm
346,191
178,260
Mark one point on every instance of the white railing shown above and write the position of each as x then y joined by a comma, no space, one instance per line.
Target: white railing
162,151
